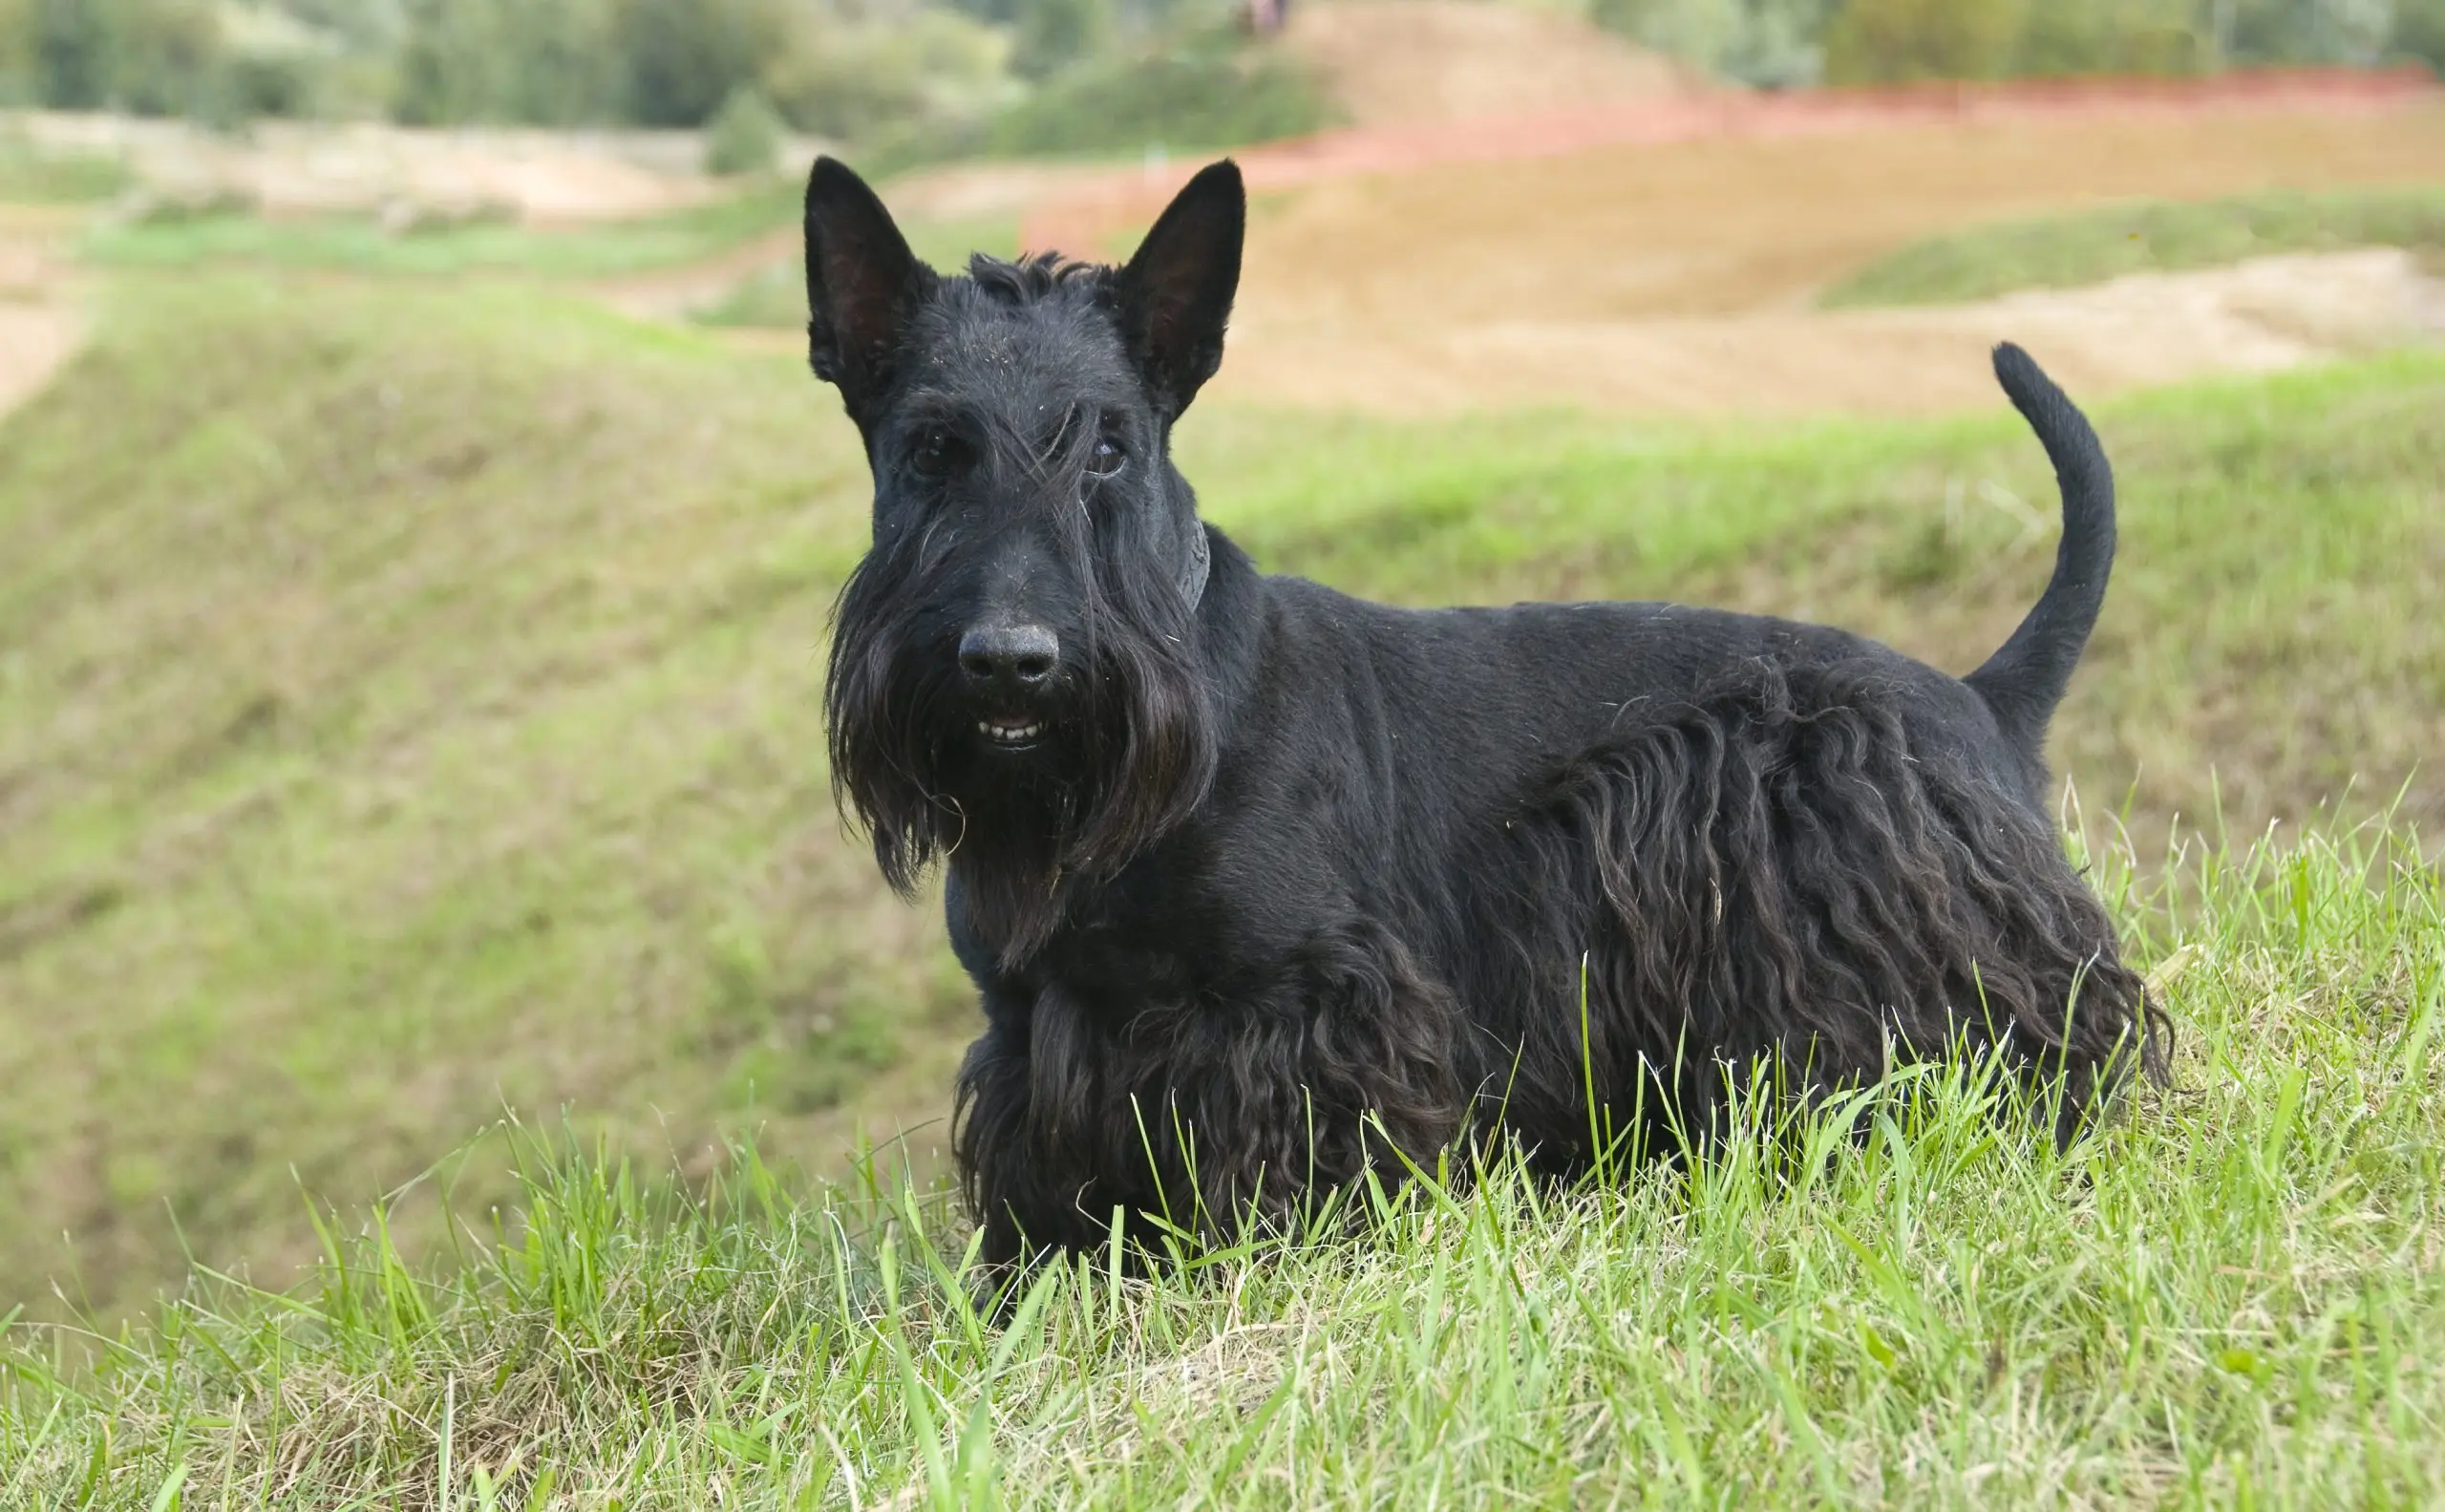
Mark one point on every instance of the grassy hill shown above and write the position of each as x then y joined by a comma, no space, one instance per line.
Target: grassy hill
2143,236
2235,1298
409,710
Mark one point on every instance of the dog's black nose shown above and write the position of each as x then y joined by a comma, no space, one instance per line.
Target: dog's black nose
1013,655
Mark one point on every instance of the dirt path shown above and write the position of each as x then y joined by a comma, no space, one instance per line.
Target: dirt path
1411,62
286,167
2264,315
40,324
1682,276
1650,242
1082,219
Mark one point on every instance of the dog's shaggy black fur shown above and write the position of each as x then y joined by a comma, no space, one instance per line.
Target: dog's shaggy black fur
1265,887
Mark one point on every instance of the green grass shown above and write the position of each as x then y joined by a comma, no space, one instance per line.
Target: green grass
31,174
361,244
1189,98
372,734
775,296
2142,237
410,707
2236,1297
1203,90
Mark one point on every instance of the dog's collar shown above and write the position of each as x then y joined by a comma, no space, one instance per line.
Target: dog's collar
1200,562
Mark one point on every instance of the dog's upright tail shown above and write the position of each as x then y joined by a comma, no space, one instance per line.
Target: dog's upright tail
2025,679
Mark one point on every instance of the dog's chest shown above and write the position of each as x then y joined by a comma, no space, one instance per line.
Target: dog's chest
1122,950
1168,938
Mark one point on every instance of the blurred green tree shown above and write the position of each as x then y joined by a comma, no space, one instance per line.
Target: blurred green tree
1768,42
1053,34
156,58
1898,41
563,69
16,53
2062,37
1188,97
744,136
72,54
921,80
452,64
2302,30
2419,32
681,58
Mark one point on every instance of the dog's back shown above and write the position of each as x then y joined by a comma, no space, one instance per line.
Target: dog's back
1530,667
1737,836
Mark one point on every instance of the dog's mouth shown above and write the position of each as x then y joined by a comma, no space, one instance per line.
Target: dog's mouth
1012,732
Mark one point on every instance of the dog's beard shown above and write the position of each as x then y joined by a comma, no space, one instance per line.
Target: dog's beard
1128,753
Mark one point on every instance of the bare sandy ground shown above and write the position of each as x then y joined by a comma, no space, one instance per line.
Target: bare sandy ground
40,324
1739,224
300,168
1670,276
1682,277
35,340
2261,316
1404,62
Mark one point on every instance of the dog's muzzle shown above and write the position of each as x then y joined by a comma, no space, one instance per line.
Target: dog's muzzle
1009,669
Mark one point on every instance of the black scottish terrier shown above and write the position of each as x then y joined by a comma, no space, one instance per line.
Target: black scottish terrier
1265,887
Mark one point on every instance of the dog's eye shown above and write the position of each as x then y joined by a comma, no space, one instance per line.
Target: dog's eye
1110,458
934,454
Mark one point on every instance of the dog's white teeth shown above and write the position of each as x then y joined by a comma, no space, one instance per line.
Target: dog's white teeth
1008,734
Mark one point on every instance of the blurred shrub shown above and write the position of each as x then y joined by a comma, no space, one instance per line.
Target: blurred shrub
33,174
2108,36
16,53
1766,42
563,69
157,206
452,64
69,45
1895,41
2351,31
1056,34
1195,97
150,57
1900,41
745,135
222,64
246,85
2419,32
925,77
919,73
565,62
681,58
164,55
1777,42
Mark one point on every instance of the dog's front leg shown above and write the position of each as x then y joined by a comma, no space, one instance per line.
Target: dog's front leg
1029,1108
1256,1108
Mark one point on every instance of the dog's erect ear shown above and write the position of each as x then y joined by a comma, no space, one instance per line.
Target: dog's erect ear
1175,294
862,283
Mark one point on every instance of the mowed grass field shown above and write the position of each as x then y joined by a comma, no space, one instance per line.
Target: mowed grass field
2147,236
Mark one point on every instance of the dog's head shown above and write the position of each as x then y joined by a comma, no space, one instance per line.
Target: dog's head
1014,674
